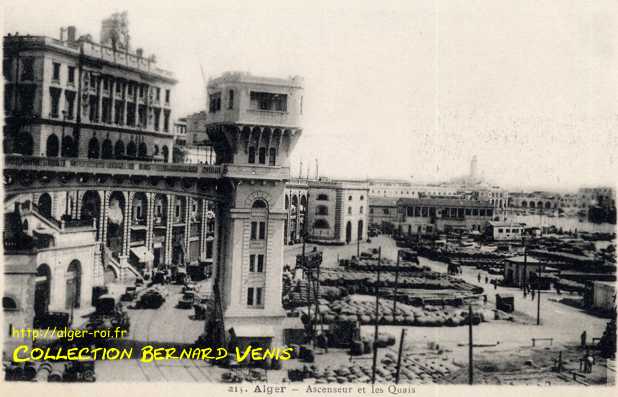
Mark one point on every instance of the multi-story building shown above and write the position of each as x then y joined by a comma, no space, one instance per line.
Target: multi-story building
393,188
337,211
539,201
74,98
382,210
253,123
429,216
603,196
192,140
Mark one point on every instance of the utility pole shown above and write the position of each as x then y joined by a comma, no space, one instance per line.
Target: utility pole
377,315
525,262
403,335
538,302
396,283
470,346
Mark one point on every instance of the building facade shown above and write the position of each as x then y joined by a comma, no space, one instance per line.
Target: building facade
382,210
429,216
504,231
73,98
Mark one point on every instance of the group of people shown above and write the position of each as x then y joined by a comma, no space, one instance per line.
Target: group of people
488,281
528,290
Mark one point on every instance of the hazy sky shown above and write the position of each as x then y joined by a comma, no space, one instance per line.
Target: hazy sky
400,89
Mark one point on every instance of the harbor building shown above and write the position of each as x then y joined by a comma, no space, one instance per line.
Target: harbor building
429,216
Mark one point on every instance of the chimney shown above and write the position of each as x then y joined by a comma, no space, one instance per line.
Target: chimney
71,33
140,52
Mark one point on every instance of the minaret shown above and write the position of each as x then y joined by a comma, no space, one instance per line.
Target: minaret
473,168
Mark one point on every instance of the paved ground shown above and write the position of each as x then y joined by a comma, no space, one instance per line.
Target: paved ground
171,325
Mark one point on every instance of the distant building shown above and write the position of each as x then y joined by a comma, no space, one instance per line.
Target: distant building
337,211
519,270
394,188
428,216
504,231
382,209
537,201
604,295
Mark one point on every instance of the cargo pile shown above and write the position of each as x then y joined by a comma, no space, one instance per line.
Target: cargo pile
355,308
385,265
413,370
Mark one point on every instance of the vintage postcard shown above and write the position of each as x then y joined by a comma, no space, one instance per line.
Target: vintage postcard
289,198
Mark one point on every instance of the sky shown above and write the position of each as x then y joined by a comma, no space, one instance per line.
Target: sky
397,88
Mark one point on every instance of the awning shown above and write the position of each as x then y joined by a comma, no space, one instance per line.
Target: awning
142,254
254,331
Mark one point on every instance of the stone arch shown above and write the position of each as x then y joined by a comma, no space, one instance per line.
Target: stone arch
73,285
260,194
91,207
119,149
131,149
9,304
547,205
68,146
52,146
93,148
42,289
115,221
524,204
360,229
348,232
107,150
139,208
142,150
44,203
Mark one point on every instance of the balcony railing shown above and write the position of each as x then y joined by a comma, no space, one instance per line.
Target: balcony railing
34,162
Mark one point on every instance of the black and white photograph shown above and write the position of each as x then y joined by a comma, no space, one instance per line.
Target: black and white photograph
295,198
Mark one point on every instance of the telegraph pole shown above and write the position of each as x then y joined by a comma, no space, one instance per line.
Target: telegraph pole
470,346
538,303
377,315
396,284
403,335
525,262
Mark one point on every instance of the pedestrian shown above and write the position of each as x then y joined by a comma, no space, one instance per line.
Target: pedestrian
525,293
479,277
590,361
532,294
495,284
583,338
486,279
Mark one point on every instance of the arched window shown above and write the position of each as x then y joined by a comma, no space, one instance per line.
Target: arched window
93,148
321,224
262,155
363,197
321,210
53,146
9,304
272,157
107,152
67,146
131,149
156,150
142,150
349,210
362,210
259,204
45,205
251,155
349,198
119,149
322,197
165,153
